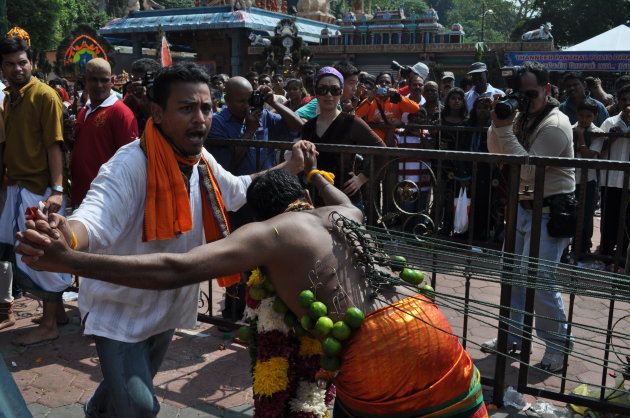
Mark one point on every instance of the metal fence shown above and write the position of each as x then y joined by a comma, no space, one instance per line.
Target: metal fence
467,261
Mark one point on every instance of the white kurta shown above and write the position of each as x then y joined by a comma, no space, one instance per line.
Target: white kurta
113,214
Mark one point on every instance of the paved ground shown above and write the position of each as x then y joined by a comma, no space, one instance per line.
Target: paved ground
205,374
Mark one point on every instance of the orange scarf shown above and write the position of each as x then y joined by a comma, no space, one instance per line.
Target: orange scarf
167,207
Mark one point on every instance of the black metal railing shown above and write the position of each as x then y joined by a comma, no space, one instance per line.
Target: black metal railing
490,256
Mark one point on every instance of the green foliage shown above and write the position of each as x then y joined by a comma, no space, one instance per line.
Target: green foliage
418,6
48,21
500,17
172,4
575,21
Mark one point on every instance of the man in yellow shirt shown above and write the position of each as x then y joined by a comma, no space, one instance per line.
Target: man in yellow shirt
33,160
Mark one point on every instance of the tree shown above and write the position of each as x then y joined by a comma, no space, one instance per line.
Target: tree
499,19
575,21
172,4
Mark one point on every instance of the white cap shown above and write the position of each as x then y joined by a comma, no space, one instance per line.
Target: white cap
421,69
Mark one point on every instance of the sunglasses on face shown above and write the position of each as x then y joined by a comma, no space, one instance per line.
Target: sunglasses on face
324,90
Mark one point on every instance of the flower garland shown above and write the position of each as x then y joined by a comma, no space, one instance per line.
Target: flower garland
287,378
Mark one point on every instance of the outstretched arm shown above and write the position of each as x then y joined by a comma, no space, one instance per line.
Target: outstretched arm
248,247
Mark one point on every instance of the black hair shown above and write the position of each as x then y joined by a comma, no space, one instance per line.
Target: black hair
465,83
588,104
12,45
573,75
187,72
382,73
277,75
272,192
621,81
308,65
58,82
251,74
463,112
346,69
472,120
145,65
368,80
536,68
623,90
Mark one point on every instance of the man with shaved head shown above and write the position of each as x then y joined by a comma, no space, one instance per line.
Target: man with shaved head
243,118
103,125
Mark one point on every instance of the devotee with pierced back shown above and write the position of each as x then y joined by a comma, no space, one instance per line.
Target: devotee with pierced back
384,364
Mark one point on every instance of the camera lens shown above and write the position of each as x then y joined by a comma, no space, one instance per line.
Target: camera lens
506,107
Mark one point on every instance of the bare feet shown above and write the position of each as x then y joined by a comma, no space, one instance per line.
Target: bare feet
63,320
38,335
8,322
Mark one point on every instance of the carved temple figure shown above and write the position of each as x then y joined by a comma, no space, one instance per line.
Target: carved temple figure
540,34
134,6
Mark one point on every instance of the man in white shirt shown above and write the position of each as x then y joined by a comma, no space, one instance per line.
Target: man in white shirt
162,193
611,182
479,74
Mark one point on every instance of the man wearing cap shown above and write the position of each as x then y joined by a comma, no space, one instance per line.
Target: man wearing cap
418,68
447,83
479,74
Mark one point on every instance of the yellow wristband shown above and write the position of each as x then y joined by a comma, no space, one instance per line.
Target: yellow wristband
74,242
330,177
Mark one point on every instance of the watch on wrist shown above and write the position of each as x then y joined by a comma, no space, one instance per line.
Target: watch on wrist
58,189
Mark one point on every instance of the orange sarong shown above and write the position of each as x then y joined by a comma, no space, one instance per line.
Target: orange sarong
403,363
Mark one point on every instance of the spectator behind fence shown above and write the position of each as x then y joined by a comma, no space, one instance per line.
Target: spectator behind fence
617,148
446,84
419,69
295,94
540,131
350,74
385,105
478,142
620,82
432,102
594,85
103,126
33,159
332,126
587,146
478,73
136,99
575,90
453,114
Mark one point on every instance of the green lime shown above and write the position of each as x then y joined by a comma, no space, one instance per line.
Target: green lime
324,325
290,320
307,322
412,276
354,317
330,363
279,305
299,331
269,286
398,262
341,331
257,292
428,291
331,347
245,333
305,298
317,309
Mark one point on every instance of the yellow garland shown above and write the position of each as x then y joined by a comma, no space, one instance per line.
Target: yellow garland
271,376
309,346
256,277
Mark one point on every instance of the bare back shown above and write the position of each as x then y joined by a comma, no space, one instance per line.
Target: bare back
315,255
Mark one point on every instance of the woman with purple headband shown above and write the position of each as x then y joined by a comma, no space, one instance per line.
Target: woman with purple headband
332,126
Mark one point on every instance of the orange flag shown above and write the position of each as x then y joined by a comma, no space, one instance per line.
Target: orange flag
165,53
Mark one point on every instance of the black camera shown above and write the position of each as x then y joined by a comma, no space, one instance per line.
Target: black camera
405,70
257,100
515,99
147,82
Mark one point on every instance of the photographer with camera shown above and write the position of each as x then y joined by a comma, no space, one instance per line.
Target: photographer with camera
244,117
136,99
407,72
478,72
385,106
537,129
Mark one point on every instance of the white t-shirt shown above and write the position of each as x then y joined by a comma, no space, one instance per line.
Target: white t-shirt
597,143
113,214
618,150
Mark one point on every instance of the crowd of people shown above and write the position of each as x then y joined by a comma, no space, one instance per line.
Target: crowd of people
140,181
